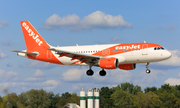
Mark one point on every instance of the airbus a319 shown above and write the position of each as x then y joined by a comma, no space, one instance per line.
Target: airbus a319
111,56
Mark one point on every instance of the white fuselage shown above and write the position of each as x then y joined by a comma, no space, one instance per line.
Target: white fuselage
131,56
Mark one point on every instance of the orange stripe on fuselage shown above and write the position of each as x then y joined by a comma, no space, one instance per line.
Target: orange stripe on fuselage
123,48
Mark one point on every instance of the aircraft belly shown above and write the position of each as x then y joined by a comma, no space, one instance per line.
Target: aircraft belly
65,60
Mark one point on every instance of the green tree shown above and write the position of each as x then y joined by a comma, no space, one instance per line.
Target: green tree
12,99
152,89
61,103
129,88
168,99
53,99
178,87
2,104
148,100
105,97
65,98
34,99
74,99
122,99
66,95
177,105
166,87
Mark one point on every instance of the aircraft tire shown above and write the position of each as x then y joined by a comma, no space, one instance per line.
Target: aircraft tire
89,72
102,72
148,71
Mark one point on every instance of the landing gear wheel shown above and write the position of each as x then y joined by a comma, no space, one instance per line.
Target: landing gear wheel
148,71
89,72
102,72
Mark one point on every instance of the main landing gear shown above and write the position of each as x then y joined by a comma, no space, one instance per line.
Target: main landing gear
147,70
101,73
90,72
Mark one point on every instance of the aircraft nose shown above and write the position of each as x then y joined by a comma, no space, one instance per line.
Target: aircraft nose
167,54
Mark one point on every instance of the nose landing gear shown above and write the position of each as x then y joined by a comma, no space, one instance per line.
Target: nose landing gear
147,70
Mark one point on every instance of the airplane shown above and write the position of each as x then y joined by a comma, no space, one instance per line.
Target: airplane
124,56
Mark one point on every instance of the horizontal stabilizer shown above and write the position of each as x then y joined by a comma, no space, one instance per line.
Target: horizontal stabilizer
29,53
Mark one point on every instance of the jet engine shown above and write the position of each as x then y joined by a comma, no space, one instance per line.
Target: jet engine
127,66
108,63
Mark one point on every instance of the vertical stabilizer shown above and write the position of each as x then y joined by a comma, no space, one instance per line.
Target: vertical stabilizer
32,38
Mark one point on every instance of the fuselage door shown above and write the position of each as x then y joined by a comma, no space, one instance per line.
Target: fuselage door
145,49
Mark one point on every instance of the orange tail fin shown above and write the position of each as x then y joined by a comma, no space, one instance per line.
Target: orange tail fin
32,38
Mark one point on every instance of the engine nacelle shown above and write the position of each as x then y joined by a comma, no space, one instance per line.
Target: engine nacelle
108,63
127,66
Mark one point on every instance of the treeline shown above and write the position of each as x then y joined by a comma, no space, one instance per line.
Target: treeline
125,95
38,99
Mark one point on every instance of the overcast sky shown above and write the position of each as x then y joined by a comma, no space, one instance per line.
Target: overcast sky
67,23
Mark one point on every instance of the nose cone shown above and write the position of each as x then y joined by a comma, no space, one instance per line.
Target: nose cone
167,54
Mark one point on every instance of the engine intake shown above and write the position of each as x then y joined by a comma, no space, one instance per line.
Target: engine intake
108,63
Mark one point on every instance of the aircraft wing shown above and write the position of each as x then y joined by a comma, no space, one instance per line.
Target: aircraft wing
82,57
30,53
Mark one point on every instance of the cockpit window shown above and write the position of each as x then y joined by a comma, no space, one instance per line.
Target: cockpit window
158,48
